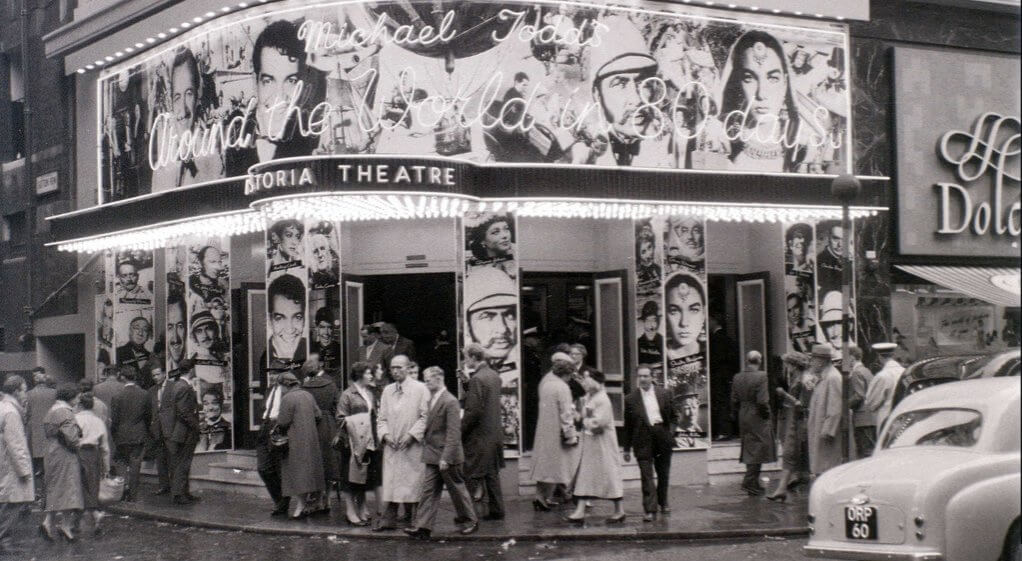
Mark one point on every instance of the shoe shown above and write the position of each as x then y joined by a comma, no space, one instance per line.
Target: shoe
162,491
665,509
279,510
68,535
417,533
752,491
780,497
470,529
649,517
492,517
357,523
47,533
619,519
575,521
540,506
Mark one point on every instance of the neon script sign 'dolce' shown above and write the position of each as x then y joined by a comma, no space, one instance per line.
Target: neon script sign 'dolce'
991,147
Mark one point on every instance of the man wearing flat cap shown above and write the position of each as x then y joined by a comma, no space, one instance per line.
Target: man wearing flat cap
492,315
880,394
825,427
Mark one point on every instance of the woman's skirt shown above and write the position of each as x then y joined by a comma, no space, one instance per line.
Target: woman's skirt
88,456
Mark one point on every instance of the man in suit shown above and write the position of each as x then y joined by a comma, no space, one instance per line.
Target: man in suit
38,401
371,349
750,402
179,424
724,363
649,424
443,456
109,387
129,413
482,431
394,344
157,392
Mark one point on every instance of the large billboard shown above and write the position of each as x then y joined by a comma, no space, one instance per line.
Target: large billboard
541,83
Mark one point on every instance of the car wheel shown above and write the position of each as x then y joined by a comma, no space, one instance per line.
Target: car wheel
1013,543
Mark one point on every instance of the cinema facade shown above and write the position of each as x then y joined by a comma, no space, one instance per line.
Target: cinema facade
257,182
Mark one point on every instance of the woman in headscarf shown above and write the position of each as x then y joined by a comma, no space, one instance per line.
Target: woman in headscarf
63,470
302,468
355,408
94,455
801,382
555,449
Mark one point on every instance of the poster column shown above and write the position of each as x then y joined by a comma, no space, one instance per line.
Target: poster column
685,310
800,286
322,256
286,288
131,281
490,304
830,238
649,295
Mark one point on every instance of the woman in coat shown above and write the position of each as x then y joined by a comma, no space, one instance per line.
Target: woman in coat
599,470
555,448
16,484
795,461
358,399
93,454
324,392
63,471
302,468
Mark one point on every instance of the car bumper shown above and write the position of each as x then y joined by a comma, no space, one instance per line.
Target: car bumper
871,554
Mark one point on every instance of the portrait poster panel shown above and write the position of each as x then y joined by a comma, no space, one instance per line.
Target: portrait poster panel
133,306
490,304
104,331
649,267
799,285
176,336
322,255
830,238
686,313
208,298
511,82
286,295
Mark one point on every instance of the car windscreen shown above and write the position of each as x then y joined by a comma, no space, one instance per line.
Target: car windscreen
934,427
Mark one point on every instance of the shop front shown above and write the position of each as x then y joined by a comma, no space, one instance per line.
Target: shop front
271,181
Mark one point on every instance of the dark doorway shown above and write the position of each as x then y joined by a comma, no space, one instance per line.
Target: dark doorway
423,307
63,356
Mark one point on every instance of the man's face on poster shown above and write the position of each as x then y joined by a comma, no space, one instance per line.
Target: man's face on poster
287,319
795,311
183,96
176,332
139,331
322,258
496,329
649,326
128,276
621,96
685,315
797,246
277,80
689,410
205,336
323,330
211,407
833,334
646,252
522,85
687,238
835,240
212,263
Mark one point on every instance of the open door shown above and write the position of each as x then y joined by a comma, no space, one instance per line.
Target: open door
253,299
354,312
611,333
752,300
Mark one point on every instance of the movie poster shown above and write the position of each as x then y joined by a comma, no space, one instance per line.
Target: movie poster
649,276
133,306
686,313
510,82
286,295
830,239
490,304
104,331
322,256
799,285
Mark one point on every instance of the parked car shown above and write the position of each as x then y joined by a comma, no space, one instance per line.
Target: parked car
932,371
943,484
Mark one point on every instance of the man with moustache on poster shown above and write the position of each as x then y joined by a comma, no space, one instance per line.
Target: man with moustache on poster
134,352
686,244
128,290
492,315
177,330
281,68
482,431
828,261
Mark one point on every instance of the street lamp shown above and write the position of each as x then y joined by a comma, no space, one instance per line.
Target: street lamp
846,188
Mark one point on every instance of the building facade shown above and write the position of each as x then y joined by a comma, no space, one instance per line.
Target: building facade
256,182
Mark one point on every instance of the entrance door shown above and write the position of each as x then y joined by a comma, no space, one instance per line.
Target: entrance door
611,335
753,331
354,312
253,321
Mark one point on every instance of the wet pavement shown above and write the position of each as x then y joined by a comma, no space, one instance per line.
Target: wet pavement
134,539
700,512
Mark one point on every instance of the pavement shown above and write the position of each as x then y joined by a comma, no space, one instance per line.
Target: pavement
698,512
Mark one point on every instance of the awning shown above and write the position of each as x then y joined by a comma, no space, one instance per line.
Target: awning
997,285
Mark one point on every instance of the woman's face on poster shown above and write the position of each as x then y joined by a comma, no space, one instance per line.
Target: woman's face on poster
497,240
685,315
287,318
763,81
211,407
175,332
322,257
183,96
291,243
212,263
646,252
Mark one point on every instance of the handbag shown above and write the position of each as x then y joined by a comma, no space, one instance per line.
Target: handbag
111,489
278,440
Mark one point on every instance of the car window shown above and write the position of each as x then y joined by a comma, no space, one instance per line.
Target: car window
934,427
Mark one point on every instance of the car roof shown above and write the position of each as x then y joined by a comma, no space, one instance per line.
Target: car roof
986,394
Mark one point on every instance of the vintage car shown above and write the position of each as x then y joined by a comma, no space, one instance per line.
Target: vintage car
932,371
943,484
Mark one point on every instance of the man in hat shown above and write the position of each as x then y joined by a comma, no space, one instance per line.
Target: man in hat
492,314
651,342
830,319
134,352
483,431
624,80
863,423
824,426
880,393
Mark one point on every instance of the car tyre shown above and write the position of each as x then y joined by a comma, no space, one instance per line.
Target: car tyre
1013,543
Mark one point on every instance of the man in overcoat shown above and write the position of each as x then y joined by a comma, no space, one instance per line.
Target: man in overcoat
824,426
16,486
863,422
179,425
400,424
750,399
649,424
443,457
129,412
482,432
38,401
